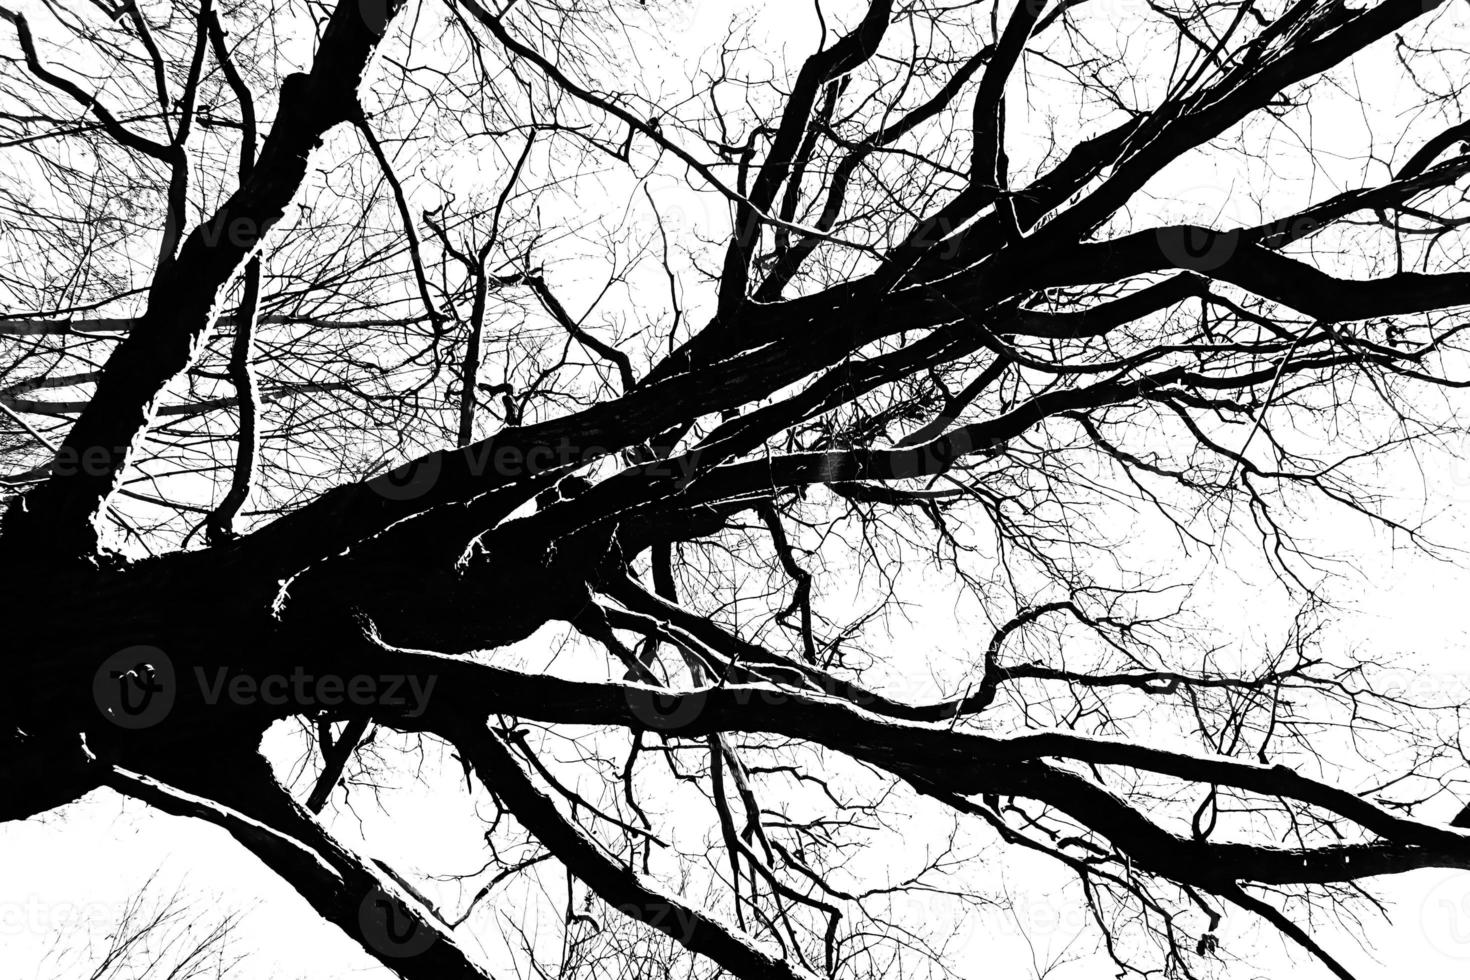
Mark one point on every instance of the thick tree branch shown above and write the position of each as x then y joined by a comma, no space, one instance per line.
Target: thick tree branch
616,884
62,517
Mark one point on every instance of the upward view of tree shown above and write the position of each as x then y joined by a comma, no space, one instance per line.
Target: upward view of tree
586,390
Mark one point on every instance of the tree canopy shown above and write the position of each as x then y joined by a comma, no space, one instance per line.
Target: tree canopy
586,393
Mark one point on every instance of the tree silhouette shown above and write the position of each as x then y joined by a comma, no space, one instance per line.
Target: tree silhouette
348,346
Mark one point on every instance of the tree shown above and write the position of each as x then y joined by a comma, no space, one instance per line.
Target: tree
151,937
346,344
